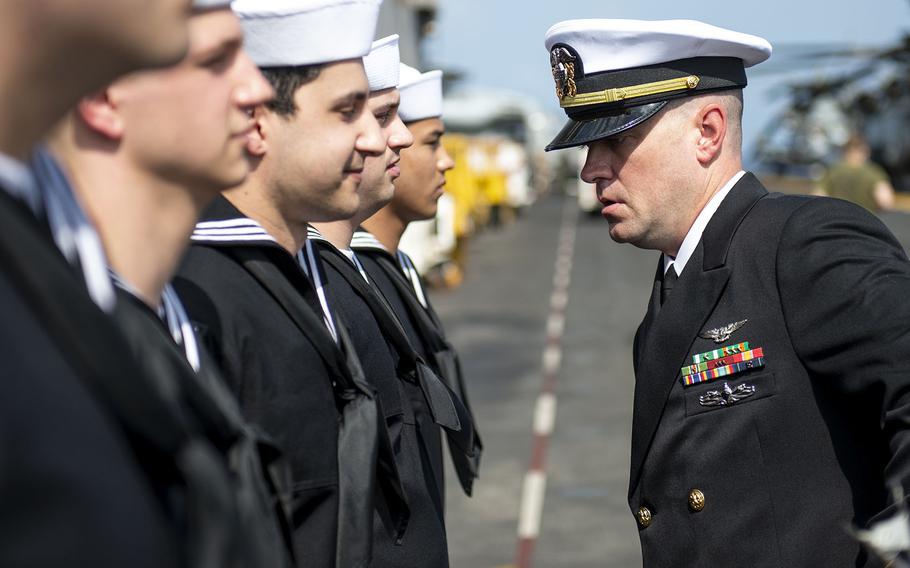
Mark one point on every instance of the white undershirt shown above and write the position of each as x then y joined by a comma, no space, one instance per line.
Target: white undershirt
698,227
307,258
352,256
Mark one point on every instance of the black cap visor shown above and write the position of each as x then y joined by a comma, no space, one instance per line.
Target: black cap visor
578,132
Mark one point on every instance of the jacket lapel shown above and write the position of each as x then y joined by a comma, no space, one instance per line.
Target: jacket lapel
666,335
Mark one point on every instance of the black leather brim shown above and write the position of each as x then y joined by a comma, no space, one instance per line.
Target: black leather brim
578,132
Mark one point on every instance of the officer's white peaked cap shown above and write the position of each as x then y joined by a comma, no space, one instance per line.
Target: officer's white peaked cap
421,94
280,33
382,63
612,75
608,45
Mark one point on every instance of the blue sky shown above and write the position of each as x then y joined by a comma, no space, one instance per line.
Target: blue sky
499,43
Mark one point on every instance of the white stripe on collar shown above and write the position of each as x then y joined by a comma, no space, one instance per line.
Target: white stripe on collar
693,237
313,233
261,238
240,230
239,222
366,240
229,231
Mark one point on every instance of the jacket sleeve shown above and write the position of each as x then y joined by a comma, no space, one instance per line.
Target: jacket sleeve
844,282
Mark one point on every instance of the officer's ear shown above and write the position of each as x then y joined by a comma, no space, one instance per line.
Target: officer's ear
98,113
711,121
257,139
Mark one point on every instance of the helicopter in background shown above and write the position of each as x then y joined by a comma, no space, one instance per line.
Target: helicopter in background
865,91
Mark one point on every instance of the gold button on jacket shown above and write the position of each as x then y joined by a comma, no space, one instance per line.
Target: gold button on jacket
644,517
696,500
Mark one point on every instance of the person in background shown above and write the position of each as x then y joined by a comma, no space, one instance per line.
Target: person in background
856,178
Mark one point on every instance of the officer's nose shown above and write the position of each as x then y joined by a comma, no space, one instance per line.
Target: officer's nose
598,163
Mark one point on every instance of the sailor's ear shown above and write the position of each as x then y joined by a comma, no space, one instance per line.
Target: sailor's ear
98,112
258,138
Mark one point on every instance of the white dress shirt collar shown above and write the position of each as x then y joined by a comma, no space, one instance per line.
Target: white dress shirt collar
698,227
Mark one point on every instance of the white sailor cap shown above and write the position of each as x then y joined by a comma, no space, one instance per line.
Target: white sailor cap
210,4
421,94
381,64
286,33
612,75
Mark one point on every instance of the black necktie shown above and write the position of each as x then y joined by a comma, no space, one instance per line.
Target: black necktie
666,286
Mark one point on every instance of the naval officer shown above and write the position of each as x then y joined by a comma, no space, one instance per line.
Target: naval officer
773,364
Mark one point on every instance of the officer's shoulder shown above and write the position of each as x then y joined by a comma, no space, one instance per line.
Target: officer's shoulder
827,221
779,219
768,216
794,209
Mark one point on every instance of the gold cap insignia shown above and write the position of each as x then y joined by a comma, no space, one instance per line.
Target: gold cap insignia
562,63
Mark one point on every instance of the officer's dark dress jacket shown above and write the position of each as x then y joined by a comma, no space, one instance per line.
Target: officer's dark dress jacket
425,330
79,478
414,435
254,309
785,455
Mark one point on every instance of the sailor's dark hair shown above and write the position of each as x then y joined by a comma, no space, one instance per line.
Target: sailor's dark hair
285,81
